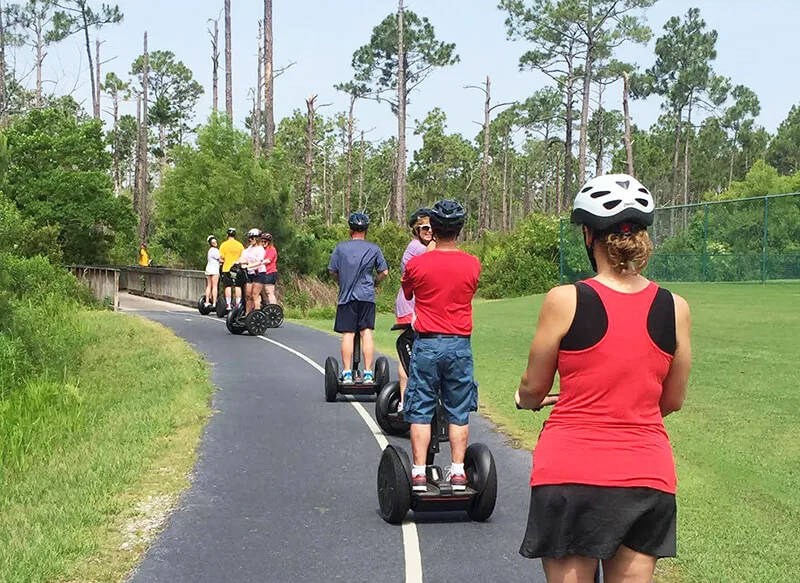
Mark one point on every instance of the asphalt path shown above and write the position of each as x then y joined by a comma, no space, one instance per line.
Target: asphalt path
285,485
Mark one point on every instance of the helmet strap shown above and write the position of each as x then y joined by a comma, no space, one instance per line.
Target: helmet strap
590,247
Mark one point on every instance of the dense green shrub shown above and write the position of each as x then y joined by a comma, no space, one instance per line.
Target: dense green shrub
522,262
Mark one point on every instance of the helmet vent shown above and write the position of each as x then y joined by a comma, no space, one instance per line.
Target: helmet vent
643,201
600,193
586,189
644,190
612,204
624,184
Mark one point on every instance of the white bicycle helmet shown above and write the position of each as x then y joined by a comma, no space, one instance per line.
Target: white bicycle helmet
253,233
612,199
210,238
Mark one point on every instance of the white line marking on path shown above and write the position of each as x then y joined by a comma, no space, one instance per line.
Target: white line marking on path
413,557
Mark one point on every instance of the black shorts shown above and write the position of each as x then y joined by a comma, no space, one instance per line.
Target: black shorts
272,278
593,521
257,278
228,281
355,316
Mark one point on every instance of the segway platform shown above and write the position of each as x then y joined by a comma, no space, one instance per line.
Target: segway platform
257,322
334,386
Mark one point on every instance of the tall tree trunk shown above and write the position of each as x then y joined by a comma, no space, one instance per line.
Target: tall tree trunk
39,61
587,88
256,121
215,67
269,80
483,208
117,176
326,195
733,159
527,203
504,215
676,159
98,87
309,154
144,204
92,83
558,184
228,63
598,163
3,89
349,192
361,175
686,168
627,115
568,138
402,95
137,165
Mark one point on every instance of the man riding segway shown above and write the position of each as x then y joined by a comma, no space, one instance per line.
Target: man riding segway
443,283
352,265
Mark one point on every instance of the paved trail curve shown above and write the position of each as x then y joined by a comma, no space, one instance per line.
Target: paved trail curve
284,489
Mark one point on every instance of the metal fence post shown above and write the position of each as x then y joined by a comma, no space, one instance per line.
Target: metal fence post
705,243
561,251
764,241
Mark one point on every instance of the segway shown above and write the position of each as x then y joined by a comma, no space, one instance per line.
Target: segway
389,420
396,496
257,322
333,382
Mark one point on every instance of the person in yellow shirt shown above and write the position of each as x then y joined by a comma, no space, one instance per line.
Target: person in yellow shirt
229,252
144,259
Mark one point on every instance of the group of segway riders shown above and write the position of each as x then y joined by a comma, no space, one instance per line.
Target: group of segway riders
253,269
603,481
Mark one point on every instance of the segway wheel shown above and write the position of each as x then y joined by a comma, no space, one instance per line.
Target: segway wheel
256,322
274,314
382,377
201,306
385,411
394,486
234,323
222,307
481,477
331,379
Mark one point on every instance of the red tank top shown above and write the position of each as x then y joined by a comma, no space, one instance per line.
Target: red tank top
607,429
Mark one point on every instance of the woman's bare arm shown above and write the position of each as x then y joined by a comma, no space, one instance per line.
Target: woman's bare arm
674,387
555,319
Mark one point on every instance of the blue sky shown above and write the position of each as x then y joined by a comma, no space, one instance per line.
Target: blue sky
756,47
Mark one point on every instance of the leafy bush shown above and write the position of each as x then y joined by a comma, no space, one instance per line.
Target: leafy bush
522,262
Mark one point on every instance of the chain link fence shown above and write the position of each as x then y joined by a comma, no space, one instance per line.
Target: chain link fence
749,239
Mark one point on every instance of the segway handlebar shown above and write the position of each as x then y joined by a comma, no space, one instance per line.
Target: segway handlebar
553,399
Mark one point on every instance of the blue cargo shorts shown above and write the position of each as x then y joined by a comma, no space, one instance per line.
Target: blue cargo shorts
441,364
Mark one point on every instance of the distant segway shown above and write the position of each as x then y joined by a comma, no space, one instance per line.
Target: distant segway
257,322
333,382
389,420
396,496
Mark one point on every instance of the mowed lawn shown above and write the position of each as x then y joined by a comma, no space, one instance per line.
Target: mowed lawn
736,441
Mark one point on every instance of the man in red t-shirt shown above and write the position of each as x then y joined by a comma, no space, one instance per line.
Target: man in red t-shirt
443,283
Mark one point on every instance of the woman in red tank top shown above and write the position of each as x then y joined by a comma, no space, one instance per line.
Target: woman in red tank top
603,481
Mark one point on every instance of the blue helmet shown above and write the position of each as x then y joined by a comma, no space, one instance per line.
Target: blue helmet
358,222
448,215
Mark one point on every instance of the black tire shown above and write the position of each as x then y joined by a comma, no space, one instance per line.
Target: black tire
274,314
331,379
386,404
382,376
394,486
201,306
222,307
481,477
256,322
233,323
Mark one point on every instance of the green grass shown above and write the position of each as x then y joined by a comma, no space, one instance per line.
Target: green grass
92,465
736,441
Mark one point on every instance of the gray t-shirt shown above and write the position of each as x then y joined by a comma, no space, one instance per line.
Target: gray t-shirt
356,261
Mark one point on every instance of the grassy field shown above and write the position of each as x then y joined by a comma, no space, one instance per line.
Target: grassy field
94,464
736,441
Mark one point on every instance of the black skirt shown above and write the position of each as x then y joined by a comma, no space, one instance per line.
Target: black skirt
593,521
